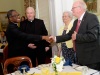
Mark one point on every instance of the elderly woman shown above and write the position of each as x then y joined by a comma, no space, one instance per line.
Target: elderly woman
66,48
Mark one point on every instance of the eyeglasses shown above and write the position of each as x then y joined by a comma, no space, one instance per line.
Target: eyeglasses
75,7
15,15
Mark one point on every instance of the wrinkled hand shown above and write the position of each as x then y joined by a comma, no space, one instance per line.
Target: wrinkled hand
47,48
74,35
31,46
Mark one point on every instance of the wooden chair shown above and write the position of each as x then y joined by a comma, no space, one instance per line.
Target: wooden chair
16,62
4,55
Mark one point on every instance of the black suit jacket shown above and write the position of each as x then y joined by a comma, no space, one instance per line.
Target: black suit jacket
36,27
15,40
87,48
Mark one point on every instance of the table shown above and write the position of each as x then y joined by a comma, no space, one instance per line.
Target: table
67,69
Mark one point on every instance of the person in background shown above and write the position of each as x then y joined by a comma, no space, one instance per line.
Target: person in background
3,40
84,34
3,37
67,47
35,26
15,37
23,18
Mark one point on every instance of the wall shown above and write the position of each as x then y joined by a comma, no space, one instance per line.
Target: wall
43,12
6,5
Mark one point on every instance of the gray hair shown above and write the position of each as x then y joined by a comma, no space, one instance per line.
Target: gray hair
82,4
69,14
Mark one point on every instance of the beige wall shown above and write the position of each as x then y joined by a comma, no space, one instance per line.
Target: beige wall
6,5
43,7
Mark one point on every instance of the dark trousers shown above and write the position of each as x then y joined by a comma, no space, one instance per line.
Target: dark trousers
34,54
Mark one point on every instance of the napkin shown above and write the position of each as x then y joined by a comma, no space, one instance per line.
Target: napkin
68,62
23,66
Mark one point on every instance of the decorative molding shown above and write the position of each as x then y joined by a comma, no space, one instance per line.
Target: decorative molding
31,3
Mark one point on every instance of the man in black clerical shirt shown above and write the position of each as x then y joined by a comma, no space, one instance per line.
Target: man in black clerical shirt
35,26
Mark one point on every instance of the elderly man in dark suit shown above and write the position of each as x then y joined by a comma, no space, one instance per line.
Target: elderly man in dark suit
85,37
15,37
35,26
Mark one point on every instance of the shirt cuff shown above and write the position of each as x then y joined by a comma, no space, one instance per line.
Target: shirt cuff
55,39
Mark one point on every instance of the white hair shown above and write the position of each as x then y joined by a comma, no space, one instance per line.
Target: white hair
31,8
69,14
82,4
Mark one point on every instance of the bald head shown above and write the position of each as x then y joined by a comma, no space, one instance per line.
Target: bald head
30,13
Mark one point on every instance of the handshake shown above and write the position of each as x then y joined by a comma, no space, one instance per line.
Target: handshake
49,39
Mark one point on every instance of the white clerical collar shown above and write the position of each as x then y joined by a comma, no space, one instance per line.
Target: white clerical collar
31,20
15,23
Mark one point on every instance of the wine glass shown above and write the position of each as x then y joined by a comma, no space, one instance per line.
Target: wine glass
45,71
24,72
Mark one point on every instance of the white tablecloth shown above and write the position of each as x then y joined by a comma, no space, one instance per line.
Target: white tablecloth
65,69
68,69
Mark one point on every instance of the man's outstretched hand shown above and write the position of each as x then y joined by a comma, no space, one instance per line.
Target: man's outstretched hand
49,39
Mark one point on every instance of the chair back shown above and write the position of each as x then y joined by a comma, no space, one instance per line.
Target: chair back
16,62
5,52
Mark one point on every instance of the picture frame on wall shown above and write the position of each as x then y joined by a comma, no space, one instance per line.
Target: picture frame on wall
3,21
30,3
91,5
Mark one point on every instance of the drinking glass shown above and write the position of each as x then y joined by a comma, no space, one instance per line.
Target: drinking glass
45,71
24,68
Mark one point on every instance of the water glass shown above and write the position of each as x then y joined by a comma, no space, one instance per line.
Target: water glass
45,71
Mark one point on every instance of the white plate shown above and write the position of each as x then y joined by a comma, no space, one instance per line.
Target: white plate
81,68
44,65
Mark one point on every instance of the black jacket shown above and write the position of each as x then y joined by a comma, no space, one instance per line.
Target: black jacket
15,40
